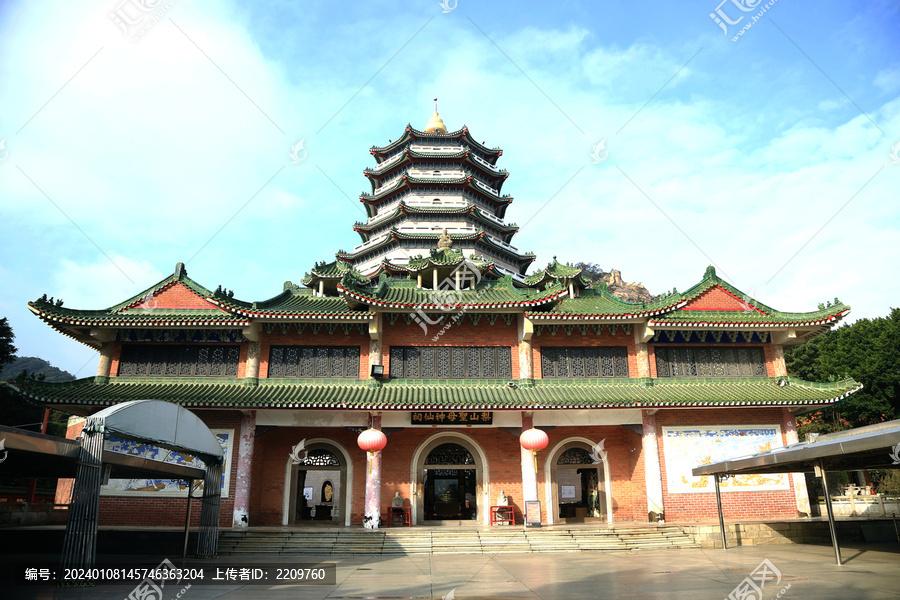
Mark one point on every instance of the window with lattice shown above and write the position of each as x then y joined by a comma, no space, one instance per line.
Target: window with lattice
713,361
576,363
339,362
470,362
179,361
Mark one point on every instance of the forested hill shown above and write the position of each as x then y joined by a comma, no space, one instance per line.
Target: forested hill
35,365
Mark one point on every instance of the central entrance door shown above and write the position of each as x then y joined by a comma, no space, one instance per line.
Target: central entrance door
580,489
450,484
318,487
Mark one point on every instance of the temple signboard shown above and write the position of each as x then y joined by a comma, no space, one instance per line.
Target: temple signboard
452,418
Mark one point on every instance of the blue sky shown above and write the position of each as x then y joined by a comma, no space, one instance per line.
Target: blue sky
128,151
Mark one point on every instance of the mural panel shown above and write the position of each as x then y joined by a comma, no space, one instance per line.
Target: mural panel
688,447
165,487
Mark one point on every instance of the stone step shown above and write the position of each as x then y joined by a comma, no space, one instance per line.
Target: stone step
451,541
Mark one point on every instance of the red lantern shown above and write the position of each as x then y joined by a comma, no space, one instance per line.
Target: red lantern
372,441
534,440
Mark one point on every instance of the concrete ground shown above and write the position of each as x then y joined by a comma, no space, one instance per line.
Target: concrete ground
794,572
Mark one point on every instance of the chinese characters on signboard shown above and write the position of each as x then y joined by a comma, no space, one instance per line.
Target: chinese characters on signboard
452,418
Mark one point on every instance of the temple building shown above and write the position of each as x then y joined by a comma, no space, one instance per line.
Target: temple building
432,332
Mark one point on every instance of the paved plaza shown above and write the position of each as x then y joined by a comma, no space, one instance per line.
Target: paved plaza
793,572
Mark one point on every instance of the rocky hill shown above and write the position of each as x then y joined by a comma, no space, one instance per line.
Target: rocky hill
630,292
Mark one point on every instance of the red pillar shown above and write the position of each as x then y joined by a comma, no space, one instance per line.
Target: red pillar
244,465
373,484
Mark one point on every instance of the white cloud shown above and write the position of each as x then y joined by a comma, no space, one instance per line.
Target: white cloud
103,283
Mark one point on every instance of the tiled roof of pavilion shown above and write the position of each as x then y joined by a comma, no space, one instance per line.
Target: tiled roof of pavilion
404,294
411,157
405,209
524,259
407,183
411,394
556,271
411,134
669,310
294,304
141,310
445,257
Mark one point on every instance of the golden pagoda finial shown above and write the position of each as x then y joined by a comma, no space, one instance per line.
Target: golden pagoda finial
435,124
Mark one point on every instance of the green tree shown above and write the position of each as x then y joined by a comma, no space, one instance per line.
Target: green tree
867,351
7,350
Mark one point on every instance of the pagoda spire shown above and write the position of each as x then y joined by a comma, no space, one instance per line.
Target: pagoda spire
435,124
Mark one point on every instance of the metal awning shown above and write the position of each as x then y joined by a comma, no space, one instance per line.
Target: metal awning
867,447
33,454
870,447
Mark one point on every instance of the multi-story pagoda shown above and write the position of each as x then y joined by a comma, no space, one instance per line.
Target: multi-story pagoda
425,185
632,395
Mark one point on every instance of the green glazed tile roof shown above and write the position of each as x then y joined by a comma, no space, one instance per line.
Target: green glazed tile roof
408,394
404,294
666,310
597,303
556,271
126,314
524,258
296,304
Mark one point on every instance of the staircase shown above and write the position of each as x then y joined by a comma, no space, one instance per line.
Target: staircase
438,541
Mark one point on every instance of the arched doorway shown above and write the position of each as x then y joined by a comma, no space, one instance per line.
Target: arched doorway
450,480
317,488
580,488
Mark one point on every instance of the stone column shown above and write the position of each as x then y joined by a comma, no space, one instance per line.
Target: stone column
652,471
778,360
529,477
252,371
372,518
244,465
526,349
105,363
642,334
799,479
375,330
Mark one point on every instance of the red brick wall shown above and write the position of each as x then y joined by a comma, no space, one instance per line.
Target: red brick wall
462,333
170,512
735,505
716,298
561,338
177,295
308,338
504,464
